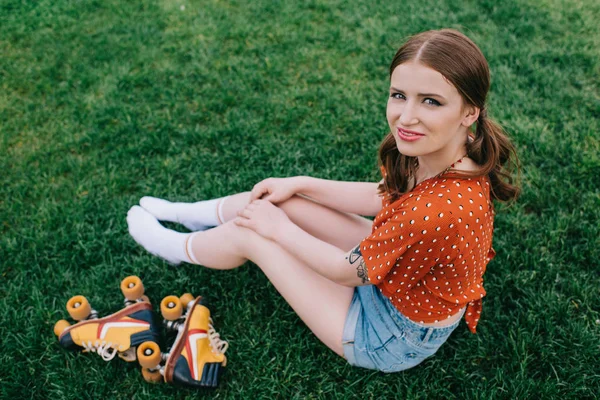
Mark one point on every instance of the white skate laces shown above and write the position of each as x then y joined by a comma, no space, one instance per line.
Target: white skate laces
216,343
105,350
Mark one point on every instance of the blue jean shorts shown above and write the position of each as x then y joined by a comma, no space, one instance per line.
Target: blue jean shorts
378,336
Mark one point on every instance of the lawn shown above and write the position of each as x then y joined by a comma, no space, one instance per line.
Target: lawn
103,102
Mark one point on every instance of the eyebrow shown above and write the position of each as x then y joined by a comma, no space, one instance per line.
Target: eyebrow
420,94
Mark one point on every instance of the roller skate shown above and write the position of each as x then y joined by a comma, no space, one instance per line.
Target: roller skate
117,334
196,358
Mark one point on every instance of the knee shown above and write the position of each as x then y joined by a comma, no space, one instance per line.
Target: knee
244,240
230,205
293,204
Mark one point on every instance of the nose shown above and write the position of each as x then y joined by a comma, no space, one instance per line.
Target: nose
408,114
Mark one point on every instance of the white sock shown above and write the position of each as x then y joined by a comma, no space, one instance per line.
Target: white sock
189,249
155,238
194,216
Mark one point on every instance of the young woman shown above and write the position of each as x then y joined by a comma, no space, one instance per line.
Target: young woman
384,294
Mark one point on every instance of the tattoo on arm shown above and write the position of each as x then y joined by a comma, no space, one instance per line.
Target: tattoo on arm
355,257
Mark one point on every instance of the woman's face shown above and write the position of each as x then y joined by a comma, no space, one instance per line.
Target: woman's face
426,114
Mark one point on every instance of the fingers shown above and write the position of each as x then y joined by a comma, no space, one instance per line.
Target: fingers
246,223
257,192
240,222
253,193
245,213
248,211
254,204
259,195
263,189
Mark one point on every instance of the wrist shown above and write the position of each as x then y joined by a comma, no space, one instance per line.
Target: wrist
285,231
301,183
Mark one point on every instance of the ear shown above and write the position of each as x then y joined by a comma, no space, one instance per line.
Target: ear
471,114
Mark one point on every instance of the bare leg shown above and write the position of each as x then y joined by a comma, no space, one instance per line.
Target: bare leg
343,230
319,302
340,229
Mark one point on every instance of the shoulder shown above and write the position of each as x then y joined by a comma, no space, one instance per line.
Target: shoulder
428,208
434,193
450,195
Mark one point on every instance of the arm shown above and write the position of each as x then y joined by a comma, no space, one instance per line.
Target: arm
345,268
352,197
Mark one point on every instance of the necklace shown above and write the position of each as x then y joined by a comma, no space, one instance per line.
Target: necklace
444,171
452,165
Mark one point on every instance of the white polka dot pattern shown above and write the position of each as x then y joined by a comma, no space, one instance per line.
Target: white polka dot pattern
429,249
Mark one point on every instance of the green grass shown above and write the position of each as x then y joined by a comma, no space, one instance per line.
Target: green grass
102,102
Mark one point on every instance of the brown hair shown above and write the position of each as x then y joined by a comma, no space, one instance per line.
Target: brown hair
461,62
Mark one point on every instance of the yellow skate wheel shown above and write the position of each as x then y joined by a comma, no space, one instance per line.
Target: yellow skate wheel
186,299
60,326
79,308
132,287
148,354
151,376
171,308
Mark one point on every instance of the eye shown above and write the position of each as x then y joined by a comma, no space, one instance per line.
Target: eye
398,96
431,102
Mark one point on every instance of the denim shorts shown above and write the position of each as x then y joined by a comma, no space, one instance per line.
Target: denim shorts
378,336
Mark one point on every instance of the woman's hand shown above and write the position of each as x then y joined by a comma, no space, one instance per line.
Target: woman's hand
263,218
275,190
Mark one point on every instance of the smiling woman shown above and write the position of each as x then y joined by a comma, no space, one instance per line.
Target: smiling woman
427,115
439,81
384,294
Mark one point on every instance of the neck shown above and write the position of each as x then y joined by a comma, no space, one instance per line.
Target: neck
431,165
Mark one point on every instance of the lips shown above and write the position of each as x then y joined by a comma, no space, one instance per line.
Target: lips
409,136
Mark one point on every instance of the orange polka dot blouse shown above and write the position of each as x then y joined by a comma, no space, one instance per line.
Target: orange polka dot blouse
429,249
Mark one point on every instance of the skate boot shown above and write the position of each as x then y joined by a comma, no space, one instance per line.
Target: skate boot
117,334
197,357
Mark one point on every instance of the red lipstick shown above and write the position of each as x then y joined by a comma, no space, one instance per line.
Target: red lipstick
409,136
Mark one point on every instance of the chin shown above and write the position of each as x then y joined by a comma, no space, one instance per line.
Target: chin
408,150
